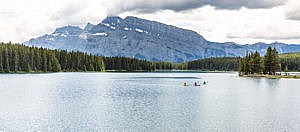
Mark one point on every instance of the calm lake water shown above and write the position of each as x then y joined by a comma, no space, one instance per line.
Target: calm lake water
147,102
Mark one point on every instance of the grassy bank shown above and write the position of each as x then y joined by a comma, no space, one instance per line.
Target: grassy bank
270,76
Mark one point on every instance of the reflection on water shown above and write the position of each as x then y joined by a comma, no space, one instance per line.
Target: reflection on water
165,77
147,102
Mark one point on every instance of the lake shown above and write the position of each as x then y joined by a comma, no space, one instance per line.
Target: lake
147,102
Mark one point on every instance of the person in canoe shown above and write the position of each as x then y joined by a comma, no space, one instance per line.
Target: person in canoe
195,84
185,84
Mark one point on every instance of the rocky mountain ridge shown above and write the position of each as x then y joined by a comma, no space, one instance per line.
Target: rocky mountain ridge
143,39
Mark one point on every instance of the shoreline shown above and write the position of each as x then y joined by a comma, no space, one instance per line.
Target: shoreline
121,71
271,76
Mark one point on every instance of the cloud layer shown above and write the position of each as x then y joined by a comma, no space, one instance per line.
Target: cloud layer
293,10
32,18
150,6
241,21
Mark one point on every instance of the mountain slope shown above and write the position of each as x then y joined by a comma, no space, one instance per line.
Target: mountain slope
290,55
144,39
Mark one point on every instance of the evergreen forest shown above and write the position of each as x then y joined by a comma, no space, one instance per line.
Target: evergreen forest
16,58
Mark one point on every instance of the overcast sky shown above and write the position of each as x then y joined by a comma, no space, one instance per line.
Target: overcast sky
241,21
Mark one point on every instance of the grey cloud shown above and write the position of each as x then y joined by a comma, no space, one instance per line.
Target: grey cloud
70,14
148,6
293,14
266,37
66,12
7,13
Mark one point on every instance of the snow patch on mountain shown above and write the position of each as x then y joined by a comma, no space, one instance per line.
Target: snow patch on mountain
83,36
100,34
139,30
112,27
106,24
54,34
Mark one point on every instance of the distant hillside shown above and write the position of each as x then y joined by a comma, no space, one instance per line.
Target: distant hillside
290,55
147,40
289,60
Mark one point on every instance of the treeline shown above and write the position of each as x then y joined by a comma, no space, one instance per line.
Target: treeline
290,61
212,64
20,58
252,63
128,64
170,66
290,64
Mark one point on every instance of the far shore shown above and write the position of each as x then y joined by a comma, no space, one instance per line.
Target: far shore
121,71
271,76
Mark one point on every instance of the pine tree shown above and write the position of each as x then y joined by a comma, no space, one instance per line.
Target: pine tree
6,61
241,66
44,61
28,67
49,64
37,61
90,67
268,61
247,64
275,64
271,62
1,63
16,62
256,60
55,65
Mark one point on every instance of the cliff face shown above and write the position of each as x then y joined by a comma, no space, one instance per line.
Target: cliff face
144,39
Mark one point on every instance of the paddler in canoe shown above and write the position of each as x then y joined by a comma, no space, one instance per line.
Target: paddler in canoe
185,84
195,84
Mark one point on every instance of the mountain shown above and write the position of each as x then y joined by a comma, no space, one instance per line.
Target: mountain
144,39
